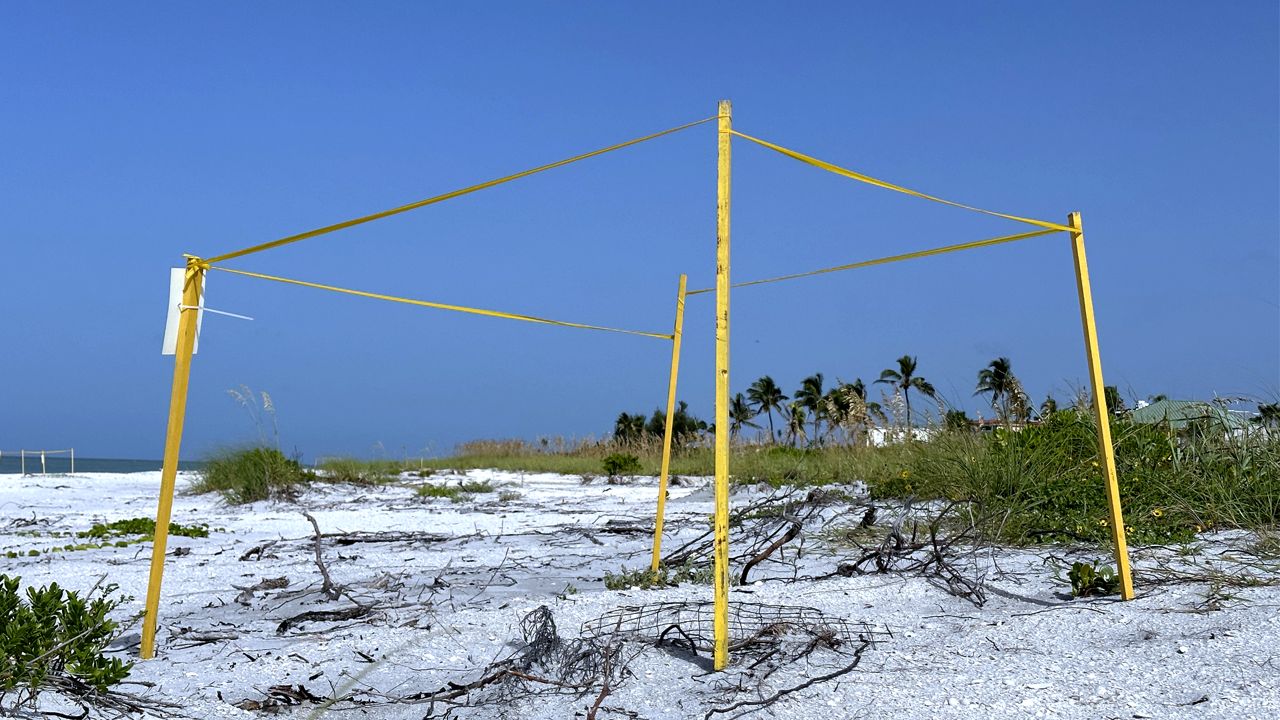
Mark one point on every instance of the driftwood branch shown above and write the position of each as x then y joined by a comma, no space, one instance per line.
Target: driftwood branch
604,687
328,588
792,532
350,613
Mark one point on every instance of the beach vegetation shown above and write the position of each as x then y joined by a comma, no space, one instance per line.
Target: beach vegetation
352,471
251,474
645,578
619,464
55,639
1090,580
146,527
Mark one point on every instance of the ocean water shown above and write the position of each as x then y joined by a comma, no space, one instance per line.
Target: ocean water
57,464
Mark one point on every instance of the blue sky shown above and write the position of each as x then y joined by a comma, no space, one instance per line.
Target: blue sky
134,133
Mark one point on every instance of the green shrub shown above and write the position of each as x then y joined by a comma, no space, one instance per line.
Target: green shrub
621,464
54,639
252,474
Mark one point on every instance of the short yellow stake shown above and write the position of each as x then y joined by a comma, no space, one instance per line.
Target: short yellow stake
671,414
1106,454
173,438
721,526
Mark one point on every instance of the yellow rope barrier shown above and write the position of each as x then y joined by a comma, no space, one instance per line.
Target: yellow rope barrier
890,259
896,188
442,306
447,196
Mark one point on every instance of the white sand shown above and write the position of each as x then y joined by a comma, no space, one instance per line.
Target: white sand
1027,653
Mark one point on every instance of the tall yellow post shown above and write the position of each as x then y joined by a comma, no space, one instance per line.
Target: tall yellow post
721,527
1106,454
186,341
671,414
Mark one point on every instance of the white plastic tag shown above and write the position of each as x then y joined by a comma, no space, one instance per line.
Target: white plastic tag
176,278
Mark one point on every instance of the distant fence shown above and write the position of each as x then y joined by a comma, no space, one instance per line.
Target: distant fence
42,455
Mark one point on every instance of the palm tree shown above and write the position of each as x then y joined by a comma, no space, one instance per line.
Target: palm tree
1048,407
740,414
810,397
1008,398
956,421
905,379
684,426
765,396
874,410
1115,401
629,428
795,423
846,408
838,407
1268,414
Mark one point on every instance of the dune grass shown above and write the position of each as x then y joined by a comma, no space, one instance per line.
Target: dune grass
751,463
245,475
461,492
1039,484
1045,482
1042,483
358,472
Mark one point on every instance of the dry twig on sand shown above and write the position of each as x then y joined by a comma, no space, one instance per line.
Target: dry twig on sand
328,588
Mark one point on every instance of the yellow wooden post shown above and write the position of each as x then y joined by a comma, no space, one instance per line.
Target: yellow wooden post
186,340
671,413
721,526
1106,454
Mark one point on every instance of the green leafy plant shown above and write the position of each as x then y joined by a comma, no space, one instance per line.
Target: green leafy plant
465,490
621,464
645,578
53,639
453,493
141,526
1089,580
476,486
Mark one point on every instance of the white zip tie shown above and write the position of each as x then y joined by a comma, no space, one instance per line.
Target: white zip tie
216,312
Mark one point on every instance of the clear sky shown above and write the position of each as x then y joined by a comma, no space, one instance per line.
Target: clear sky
132,133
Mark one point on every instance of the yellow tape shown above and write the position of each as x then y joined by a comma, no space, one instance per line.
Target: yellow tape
890,259
447,196
896,188
442,306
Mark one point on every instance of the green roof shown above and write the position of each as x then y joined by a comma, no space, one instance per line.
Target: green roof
1180,413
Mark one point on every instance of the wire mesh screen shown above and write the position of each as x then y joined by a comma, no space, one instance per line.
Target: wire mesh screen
690,625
